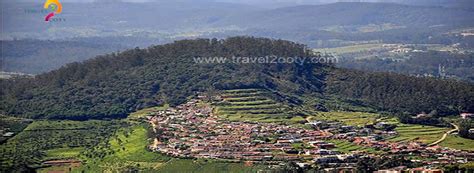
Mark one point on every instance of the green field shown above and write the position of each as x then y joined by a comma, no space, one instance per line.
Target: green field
63,153
420,133
348,118
348,147
456,142
254,105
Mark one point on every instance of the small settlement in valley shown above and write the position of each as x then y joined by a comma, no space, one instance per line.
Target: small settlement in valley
192,130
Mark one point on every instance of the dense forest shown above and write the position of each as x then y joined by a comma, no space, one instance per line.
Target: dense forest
113,85
401,93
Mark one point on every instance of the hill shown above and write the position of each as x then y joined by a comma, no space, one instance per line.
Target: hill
113,85
315,17
187,18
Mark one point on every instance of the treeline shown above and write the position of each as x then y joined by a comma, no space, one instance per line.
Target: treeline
403,94
464,127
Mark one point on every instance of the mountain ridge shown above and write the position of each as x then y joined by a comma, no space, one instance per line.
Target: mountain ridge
113,85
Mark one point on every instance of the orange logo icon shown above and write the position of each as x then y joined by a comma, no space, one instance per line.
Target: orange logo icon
55,5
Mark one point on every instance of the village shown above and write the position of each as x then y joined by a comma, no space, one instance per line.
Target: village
192,130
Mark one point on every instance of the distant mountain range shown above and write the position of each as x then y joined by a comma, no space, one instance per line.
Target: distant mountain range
125,25
154,18
314,17
466,4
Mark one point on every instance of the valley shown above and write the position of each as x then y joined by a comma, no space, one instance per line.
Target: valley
331,140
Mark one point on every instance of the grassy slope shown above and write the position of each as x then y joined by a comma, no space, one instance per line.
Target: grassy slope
456,142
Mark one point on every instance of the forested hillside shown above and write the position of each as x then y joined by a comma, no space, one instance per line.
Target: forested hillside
400,93
114,85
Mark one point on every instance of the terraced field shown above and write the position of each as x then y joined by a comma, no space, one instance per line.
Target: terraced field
253,105
424,134
413,132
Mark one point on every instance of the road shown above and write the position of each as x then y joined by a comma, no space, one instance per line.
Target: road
456,128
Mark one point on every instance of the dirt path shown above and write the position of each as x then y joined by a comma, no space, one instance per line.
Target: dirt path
456,128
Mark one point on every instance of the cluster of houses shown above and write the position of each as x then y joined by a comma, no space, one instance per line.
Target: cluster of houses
191,130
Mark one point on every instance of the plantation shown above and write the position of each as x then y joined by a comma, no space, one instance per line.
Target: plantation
44,140
126,150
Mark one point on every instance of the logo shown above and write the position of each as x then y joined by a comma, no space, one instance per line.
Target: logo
55,6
